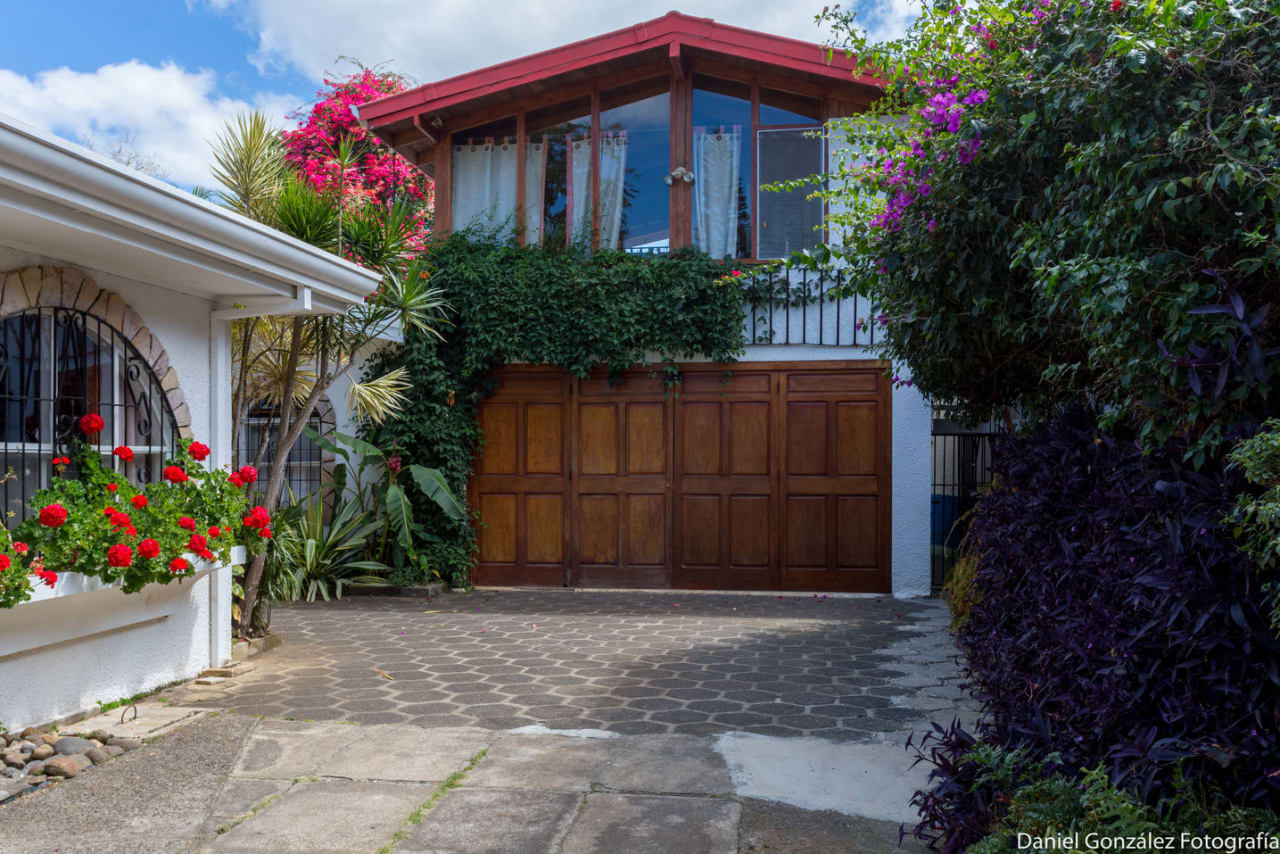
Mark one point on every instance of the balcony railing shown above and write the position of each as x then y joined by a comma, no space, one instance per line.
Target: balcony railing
803,306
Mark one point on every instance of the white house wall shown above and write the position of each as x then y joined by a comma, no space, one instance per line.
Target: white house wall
106,645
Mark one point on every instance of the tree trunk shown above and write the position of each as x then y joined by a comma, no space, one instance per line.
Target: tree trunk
253,573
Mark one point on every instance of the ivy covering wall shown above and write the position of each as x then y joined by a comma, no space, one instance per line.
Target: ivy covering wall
610,311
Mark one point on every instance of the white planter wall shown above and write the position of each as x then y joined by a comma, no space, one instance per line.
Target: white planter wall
85,642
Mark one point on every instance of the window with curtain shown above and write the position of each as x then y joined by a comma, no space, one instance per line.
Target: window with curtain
557,163
484,177
635,159
56,365
721,164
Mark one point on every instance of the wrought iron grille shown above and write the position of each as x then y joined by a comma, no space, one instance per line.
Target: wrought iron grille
961,468
304,470
803,306
56,365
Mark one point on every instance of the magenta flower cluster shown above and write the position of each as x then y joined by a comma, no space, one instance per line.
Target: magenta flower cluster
381,175
907,177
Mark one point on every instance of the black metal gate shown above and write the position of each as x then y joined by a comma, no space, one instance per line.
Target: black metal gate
961,468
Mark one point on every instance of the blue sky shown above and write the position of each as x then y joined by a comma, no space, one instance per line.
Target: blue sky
165,74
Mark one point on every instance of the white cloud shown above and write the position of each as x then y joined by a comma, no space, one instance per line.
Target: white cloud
166,111
434,39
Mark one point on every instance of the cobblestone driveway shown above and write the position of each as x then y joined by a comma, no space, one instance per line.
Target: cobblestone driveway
633,663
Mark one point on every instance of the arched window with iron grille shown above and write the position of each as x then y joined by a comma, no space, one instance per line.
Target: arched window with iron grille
58,364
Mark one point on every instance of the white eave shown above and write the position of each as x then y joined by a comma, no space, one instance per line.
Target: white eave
63,201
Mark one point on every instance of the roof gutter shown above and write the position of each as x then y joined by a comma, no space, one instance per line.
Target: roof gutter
59,182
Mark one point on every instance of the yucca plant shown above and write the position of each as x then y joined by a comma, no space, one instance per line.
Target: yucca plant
316,557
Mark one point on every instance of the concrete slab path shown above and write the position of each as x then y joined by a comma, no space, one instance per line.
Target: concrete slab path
234,784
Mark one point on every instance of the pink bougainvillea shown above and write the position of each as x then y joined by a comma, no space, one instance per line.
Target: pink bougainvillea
380,176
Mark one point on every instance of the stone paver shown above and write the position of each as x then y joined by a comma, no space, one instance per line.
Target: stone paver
493,821
659,824
631,663
326,817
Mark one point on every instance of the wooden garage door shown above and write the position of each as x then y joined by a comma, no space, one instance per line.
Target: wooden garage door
760,477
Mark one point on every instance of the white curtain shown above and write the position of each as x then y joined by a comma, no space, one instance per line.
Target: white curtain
484,184
578,211
613,182
535,189
717,159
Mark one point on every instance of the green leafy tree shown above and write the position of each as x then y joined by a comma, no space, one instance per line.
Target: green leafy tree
1063,201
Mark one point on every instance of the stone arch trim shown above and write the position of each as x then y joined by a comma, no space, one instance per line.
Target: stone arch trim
48,286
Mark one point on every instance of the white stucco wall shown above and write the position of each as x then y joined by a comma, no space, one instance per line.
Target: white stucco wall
62,655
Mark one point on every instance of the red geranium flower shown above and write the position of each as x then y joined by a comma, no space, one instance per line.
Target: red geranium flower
121,520
131,531
175,474
139,501
53,515
206,554
1116,5
248,474
265,533
178,565
111,487
215,531
235,479
198,450
119,555
197,543
4,562
148,548
187,522
21,548
258,518
62,461
124,452
91,424
49,578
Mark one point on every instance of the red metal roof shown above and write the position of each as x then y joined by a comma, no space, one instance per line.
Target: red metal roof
671,29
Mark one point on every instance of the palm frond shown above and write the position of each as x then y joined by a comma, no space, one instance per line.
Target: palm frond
309,216
248,161
415,301
379,398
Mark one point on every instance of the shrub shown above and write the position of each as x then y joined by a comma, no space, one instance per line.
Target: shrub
1118,621
1006,794
960,591
1256,518
1081,203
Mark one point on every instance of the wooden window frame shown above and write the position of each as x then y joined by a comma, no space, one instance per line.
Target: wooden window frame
679,74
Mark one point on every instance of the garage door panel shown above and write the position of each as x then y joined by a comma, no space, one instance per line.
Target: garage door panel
646,530
498,423
543,438
646,438
857,532
857,437
806,526
544,521
700,530
749,438
700,438
598,438
806,438
598,529
749,526
498,536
